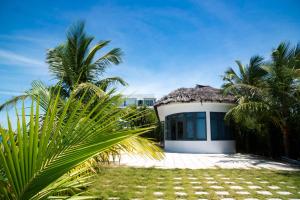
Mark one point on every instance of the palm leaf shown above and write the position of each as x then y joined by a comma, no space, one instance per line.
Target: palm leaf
43,152
104,84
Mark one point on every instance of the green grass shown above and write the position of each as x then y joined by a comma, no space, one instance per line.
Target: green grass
135,183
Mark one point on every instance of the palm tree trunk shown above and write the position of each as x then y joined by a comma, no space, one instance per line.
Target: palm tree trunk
286,145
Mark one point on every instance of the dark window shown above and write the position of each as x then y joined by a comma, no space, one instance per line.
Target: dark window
190,126
140,102
149,102
201,126
219,129
186,126
173,128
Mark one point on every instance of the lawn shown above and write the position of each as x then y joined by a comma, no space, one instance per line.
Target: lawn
136,183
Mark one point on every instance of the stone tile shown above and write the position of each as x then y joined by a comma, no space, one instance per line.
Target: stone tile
141,186
240,178
282,182
211,182
243,192
254,187
264,182
251,199
178,188
161,178
202,199
274,199
292,187
180,194
283,192
224,193
113,198
123,186
209,178
229,182
195,182
227,199
197,187
177,182
177,178
158,193
201,193
225,178
273,187
216,187
264,192
192,178
249,182
236,187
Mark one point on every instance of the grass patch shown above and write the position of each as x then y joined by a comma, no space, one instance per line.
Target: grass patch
150,183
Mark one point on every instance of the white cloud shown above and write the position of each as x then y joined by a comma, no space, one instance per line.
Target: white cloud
9,57
165,79
22,38
10,93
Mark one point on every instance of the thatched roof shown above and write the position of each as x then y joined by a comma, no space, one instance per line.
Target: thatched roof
200,93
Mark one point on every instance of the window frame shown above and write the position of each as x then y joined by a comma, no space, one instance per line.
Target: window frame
168,126
228,126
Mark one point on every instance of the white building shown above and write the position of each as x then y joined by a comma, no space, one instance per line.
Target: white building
194,120
139,100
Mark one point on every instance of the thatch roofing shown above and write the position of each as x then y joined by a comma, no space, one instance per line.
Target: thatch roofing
200,93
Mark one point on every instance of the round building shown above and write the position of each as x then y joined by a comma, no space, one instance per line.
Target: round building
193,120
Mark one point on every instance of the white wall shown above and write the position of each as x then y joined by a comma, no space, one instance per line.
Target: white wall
220,146
209,146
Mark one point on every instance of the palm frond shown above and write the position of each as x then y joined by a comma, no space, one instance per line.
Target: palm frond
73,62
13,101
112,57
43,152
106,83
94,50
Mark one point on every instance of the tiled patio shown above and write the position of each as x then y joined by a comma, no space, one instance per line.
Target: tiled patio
205,161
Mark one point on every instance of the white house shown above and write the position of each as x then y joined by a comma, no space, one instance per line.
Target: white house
194,120
139,100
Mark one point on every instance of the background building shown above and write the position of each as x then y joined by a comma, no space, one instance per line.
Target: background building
139,100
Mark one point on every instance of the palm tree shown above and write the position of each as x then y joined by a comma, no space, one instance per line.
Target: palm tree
46,155
270,93
246,79
283,85
245,85
74,62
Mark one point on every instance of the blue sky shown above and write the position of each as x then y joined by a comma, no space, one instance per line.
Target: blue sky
167,44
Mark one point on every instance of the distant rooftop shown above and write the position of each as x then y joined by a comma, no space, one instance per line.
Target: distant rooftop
200,93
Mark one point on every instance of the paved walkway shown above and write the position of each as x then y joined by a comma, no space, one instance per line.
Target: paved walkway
204,161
